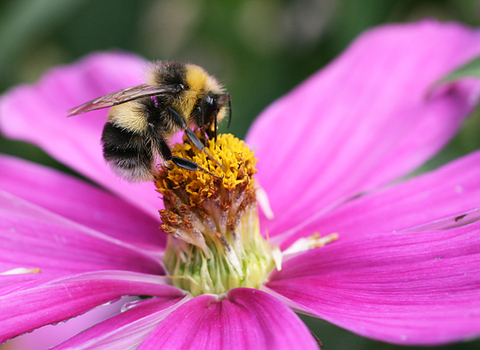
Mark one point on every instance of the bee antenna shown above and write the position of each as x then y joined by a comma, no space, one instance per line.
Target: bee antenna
215,126
229,109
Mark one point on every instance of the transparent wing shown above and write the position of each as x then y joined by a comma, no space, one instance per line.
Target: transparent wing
122,96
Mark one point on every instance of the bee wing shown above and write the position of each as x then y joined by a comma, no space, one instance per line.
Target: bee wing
122,96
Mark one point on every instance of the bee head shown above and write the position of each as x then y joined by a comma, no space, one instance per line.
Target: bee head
213,109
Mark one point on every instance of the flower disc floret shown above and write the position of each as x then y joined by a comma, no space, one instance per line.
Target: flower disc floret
211,217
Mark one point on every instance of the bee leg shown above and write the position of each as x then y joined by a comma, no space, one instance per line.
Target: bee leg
227,95
194,140
192,166
199,145
215,125
183,163
177,118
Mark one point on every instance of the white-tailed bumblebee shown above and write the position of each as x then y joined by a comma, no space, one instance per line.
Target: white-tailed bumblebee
142,119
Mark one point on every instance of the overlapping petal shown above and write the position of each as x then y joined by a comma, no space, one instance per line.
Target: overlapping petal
52,335
34,238
58,299
406,288
244,319
76,141
79,202
364,120
126,330
445,193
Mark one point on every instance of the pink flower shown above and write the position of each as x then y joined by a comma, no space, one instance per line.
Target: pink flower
404,270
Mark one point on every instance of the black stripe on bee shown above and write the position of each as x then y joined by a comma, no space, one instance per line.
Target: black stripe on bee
127,152
170,73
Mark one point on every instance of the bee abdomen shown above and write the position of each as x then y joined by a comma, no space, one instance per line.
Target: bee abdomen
127,153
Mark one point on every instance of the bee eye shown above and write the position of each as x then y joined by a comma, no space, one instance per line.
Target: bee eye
211,105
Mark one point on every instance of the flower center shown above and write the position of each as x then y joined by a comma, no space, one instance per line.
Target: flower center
214,242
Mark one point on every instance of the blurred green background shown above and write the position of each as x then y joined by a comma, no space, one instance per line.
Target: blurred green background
260,49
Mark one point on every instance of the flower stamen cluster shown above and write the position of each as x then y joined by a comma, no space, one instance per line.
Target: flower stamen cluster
214,241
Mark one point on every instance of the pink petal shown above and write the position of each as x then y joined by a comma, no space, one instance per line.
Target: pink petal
59,299
76,141
51,335
12,282
34,238
126,330
79,202
408,288
244,319
364,120
449,191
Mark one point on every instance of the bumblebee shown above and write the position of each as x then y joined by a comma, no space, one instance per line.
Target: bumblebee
177,96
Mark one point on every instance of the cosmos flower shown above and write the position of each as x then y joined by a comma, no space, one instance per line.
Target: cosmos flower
404,268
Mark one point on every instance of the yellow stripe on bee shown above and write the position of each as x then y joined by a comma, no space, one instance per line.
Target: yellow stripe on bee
129,117
196,78
212,84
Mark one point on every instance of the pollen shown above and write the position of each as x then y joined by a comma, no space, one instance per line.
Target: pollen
237,169
211,218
